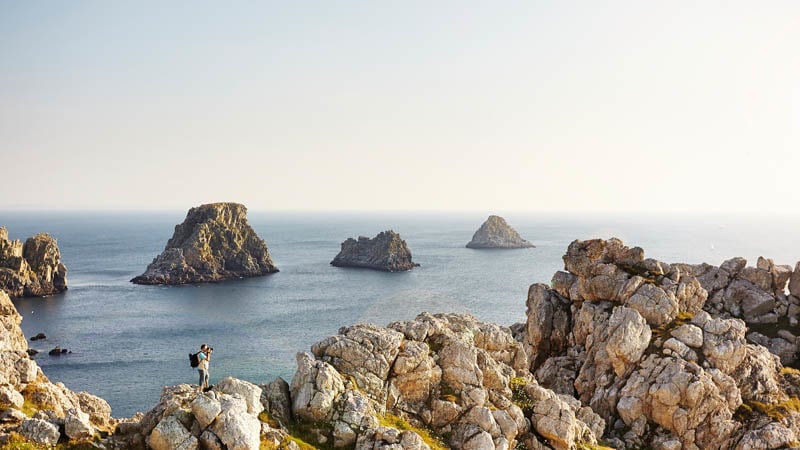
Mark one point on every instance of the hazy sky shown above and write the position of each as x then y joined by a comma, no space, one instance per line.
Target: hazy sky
413,105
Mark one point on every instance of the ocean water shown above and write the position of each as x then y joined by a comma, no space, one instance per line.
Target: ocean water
129,341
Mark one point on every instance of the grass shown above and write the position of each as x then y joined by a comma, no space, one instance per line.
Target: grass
790,371
267,419
776,411
589,446
433,441
520,396
17,442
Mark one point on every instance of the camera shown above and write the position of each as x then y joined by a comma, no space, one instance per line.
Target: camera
211,349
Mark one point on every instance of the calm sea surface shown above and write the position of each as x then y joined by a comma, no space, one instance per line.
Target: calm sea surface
129,341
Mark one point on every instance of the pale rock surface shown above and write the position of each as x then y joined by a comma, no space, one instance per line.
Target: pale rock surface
40,431
77,425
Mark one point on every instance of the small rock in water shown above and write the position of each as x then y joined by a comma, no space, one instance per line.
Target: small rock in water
38,337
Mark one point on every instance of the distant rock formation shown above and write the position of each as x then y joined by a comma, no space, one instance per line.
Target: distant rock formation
386,251
214,243
496,233
33,269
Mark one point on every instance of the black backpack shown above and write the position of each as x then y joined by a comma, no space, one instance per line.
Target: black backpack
194,361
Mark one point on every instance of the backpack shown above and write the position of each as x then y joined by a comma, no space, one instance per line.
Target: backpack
194,361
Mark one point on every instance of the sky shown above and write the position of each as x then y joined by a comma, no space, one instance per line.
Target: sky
361,105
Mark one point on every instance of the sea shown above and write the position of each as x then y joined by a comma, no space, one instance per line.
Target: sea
128,341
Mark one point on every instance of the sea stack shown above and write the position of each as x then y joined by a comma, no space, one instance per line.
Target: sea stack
496,233
386,251
214,243
33,269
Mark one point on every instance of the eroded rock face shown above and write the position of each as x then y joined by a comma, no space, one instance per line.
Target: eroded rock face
214,243
32,269
386,251
447,372
629,337
24,386
496,233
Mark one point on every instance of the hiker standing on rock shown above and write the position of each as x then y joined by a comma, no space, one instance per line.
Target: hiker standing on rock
204,358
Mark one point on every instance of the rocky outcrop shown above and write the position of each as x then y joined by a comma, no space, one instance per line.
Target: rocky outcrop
445,374
214,243
57,413
496,233
629,337
386,251
32,269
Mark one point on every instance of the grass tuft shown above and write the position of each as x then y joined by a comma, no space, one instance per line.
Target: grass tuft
392,421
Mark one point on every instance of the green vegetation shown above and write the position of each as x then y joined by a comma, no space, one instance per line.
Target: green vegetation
17,442
264,417
520,396
589,446
433,441
790,371
776,411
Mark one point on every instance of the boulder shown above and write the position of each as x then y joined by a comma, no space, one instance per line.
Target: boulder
496,233
236,428
32,269
248,391
77,425
386,252
39,431
170,434
214,243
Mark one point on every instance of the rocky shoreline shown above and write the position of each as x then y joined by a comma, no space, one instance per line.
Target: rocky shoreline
618,350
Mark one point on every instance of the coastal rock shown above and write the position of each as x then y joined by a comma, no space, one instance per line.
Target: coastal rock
40,431
386,251
77,425
214,243
496,233
33,269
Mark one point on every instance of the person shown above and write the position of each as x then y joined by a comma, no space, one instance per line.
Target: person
204,357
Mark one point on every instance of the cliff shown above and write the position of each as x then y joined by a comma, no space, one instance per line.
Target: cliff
496,233
33,269
386,251
214,243
30,405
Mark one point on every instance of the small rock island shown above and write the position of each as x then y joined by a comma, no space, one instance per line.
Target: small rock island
496,233
33,269
386,251
214,243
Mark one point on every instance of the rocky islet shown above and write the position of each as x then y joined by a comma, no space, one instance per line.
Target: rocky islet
387,252
32,269
214,243
496,233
